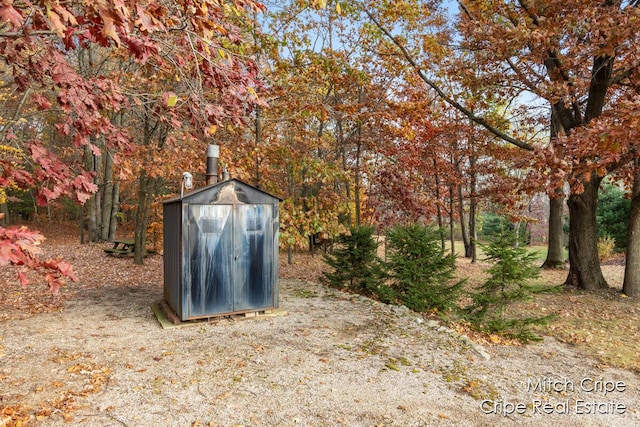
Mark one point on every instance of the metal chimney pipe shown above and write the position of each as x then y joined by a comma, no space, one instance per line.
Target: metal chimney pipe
213,153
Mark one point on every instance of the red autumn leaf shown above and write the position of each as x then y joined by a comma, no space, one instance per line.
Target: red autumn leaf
41,101
146,22
66,270
24,280
63,128
64,14
9,14
84,184
6,252
109,29
56,23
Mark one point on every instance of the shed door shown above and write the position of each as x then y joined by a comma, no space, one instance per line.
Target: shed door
253,263
211,259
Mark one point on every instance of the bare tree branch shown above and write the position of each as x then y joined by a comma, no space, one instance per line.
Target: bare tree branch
448,99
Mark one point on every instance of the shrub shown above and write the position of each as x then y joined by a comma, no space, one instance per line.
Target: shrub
606,247
612,215
420,271
354,261
513,266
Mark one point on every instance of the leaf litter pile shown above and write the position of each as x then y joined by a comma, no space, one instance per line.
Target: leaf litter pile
96,355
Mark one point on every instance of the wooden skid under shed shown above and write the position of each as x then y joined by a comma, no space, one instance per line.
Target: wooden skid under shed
168,318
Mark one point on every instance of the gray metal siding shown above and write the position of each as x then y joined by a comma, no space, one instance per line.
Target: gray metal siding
275,250
172,225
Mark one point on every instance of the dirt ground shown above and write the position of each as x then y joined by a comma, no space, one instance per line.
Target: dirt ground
97,356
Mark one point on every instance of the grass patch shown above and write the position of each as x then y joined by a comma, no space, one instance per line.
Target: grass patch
305,293
542,250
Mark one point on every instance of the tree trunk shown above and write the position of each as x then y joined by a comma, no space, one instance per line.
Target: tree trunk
91,162
113,222
357,175
146,193
473,207
312,245
584,263
92,211
4,214
555,238
451,220
463,225
438,207
516,232
356,182
555,252
257,141
631,284
82,225
97,197
107,196
473,234
345,164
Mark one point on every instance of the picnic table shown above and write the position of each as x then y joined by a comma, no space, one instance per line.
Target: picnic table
121,247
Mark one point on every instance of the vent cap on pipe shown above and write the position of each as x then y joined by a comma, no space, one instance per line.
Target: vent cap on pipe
213,150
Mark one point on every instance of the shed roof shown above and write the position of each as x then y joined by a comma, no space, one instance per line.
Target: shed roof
230,192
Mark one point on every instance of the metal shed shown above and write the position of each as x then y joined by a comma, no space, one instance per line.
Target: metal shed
221,251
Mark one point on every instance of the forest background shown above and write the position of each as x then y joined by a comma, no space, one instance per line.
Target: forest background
353,112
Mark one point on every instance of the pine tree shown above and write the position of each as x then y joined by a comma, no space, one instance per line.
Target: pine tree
420,271
354,261
513,267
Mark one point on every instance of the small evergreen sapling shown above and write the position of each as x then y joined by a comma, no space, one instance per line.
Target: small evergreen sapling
354,261
513,266
420,271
